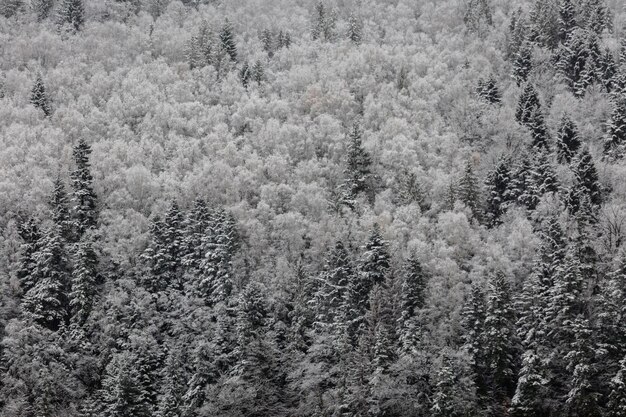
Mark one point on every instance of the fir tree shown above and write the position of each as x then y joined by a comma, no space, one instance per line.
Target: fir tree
267,40
531,390
245,74
258,74
468,191
579,61
473,322
39,97
42,8
60,210
10,8
567,19
284,39
608,69
330,294
84,278
524,188
498,189
31,235
544,175
227,40
355,29
46,301
72,13
84,198
585,182
358,167
617,397
121,393
408,190
522,63
477,12
528,105
567,140
324,23
544,23
615,142
413,297
488,90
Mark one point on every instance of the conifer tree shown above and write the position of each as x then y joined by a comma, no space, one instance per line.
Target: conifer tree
468,191
544,23
60,210
413,296
614,144
324,23
84,198
522,62
355,29
531,391
10,8
527,106
499,338
596,16
585,182
258,74
608,69
39,97
408,190
72,13
544,175
567,19
488,90
567,140
331,290
617,397
477,12
267,40
245,74
357,172
84,278
121,393
31,235
498,190
524,188
227,39
172,390
46,301
42,8
473,322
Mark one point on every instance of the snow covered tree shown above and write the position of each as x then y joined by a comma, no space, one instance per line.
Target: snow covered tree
28,254
227,40
567,19
608,69
579,61
453,394
531,391
122,394
596,16
258,74
567,140
488,90
473,322
544,23
39,97
586,182
355,29
324,23
522,62
499,345
59,206
617,398
477,13
42,8
10,8
498,190
615,142
527,106
468,191
84,198
357,172
330,294
47,302
413,296
72,13
544,173
83,285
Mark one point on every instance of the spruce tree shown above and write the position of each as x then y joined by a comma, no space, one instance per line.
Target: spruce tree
46,302
357,172
245,74
524,188
468,191
488,90
567,140
531,391
72,13
84,279
527,106
355,29
608,69
567,19
522,63
121,393
614,144
579,61
267,40
498,190
324,23
10,8
59,206
83,196
227,39
42,8
258,74
331,289
616,406
473,322
31,236
544,175
39,97
413,296
586,183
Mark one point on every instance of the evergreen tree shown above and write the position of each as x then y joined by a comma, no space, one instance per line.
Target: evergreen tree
544,175
499,339
84,278
413,297
468,191
531,390
330,294
567,140
172,390
267,40
408,190
324,23
528,105
42,8
10,8
245,74
72,13
617,397
524,187
227,39
473,322
596,16
39,97
522,63
616,133
607,69
60,210
477,12
544,23
31,235
586,183
84,197
46,302
258,74
284,39
567,19
488,90
358,167
498,189
121,393
355,29
579,61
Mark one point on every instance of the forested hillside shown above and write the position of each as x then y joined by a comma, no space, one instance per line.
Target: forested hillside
298,208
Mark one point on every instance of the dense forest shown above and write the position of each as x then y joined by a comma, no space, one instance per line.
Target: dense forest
299,208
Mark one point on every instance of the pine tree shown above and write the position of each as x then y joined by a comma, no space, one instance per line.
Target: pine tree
358,167
567,19
498,190
72,13
39,97
258,74
324,23
477,12
413,296
42,8
330,294
227,39
579,61
468,191
60,210
608,69
567,140
528,105
615,142
84,278
531,390
31,235
267,40
473,322
121,393
524,188
617,397
499,339
355,29
84,198
586,183
245,74
46,301
488,90
522,63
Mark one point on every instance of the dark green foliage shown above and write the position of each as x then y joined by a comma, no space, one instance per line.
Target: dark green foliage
31,235
39,97
473,322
